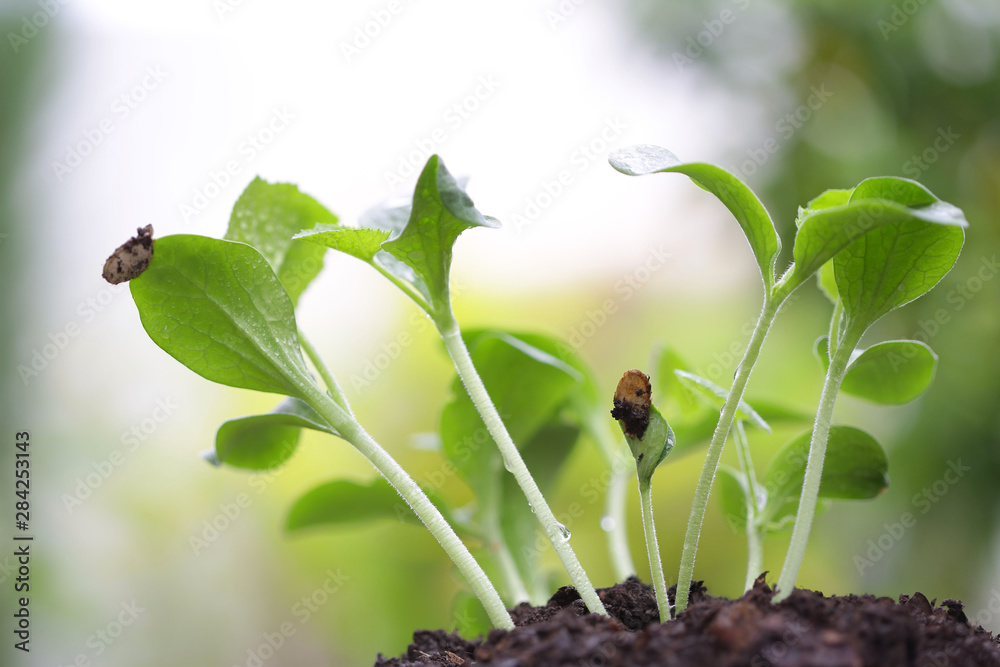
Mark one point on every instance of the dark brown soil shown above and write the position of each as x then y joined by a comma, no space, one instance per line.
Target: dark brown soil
806,629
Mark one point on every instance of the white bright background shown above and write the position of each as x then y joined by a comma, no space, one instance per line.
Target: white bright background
226,70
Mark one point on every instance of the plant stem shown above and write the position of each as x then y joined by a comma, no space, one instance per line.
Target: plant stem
755,551
331,382
653,549
414,496
840,356
620,463
704,488
554,530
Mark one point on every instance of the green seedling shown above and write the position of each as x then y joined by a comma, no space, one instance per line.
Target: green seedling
883,270
650,439
225,309
888,240
411,245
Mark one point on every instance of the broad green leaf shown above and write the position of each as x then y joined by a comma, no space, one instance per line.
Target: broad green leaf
892,265
855,467
441,211
733,492
891,373
835,220
716,396
267,216
343,502
675,398
361,243
260,442
826,279
217,307
731,191
828,199
527,386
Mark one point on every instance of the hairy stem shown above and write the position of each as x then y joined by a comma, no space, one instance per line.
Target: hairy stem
653,549
704,488
418,501
555,531
331,382
839,359
755,551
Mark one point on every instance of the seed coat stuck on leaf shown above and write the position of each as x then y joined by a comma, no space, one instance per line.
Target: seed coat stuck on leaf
131,258
632,400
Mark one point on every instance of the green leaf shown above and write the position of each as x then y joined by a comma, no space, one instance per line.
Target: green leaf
266,216
527,386
343,502
855,468
361,243
731,191
715,396
441,211
826,280
261,442
828,199
890,266
733,491
217,307
891,373
654,445
691,418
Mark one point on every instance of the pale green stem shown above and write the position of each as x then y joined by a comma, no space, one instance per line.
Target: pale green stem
653,549
814,467
331,382
755,551
704,488
459,354
620,463
414,496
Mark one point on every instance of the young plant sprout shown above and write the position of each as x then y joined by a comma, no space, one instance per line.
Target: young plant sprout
412,247
225,310
873,277
650,439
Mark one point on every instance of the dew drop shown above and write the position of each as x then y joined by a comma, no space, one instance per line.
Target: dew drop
564,531
607,524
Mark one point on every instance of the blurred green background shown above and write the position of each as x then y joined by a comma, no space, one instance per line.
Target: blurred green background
795,97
